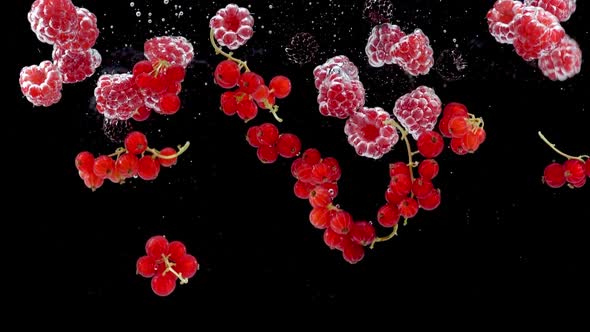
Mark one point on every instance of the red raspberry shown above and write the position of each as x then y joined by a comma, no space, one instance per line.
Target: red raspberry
321,72
232,26
562,9
414,54
381,41
563,62
369,134
340,96
54,21
174,49
41,84
87,32
500,19
76,66
537,32
418,110
117,96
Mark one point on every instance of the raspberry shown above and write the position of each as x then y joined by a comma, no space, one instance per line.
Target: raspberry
413,53
378,11
537,32
232,26
76,66
302,48
87,32
562,9
176,50
54,21
41,84
418,110
340,96
369,133
563,62
380,44
500,19
341,62
117,96
554,175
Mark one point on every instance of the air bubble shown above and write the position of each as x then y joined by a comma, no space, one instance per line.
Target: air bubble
138,13
132,4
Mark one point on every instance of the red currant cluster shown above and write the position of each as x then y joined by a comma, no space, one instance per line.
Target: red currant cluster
126,162
465,130
574,171
535,31
154,83
73,32
271,144
164,263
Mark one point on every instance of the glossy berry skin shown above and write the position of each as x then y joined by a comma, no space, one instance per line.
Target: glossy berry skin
302,189
163,285
422,188
280,86
187,266
165,162
587,165
408,208
85,162
320,217
401,184
428,169
332,239
227,74
353,252
341,222
146,266
320,197
575,171
249,82
430,144
136,142
156,246
127,165
267,154
362,232
148,168
288,145
554,175
388,215
268,134
431,201
103,166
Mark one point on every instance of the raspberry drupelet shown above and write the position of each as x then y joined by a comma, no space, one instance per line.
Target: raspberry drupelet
41,84
232,26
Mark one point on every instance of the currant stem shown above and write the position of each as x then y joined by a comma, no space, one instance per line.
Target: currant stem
229,56
169,268
385,238
273,110
552,146
181,150
118,152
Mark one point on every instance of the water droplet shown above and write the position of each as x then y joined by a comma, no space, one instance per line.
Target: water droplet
166,2
138,13
132,4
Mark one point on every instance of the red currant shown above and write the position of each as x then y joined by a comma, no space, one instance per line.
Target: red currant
156,246
163,285
247,109
268,134
311,156
457,147
320,197
302,189
250,81
127,165
142,114
458,126
267,154
252,136
554,175
362,232
428,169
187,266
169,103
261,94
399,168
85,162
430,144
401,184
176,250
228,102
431,201
353,252
341,222
148,168
280,86
165,162
575,171
470,142
288,145
388,215
422,187
455,109
227,74
146,266
393,198
408,207
320,217
175,74
103,166
136,142
332,239
92,181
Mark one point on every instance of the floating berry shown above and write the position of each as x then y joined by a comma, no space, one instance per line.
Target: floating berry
500,19
302,189
148,168
229,104
302,48
311,156
163,284
340,95
146,266
332,239
41,84
167,162
142,114
457,147
232,26
175,50
562,9
422,187
54,21
408,208
554,175
85,162
339,63
288,145
280,86
430,144
399,168
392,197
92,181
86,34
268,134
76,66
418,110
401,184
117,96
103,166
413,53
380,44
537,32
574,171
428,169
136,142
249,82
370,132
563,62
320,197
127,165
246,109
169,104
227,74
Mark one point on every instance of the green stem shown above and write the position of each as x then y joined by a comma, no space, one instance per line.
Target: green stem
561,153
229,56
181,150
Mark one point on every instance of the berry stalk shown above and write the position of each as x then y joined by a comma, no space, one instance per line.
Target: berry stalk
229,55
552,146
169,268
181,150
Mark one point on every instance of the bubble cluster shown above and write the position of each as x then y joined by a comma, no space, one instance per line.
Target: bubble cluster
302,48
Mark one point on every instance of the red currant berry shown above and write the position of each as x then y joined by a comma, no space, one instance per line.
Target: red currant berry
175,74
169,103
341,222
431,201
422,187
142,114
430,144
228,102
252,136
280,86
143,66
247,109
443,126
156,246
250,81
163,285
176,250
187,266
457,146
300,170
335,170
136,142
268,134
363,233
408,207
261,94
85,162
579,184
146,266
319,197
267,154
266,103
332,188
455,109
399,168
103,166
227,74
353,252
288,145
470,142
127,165
148,168
167,162
332,239
458,126
401,184
481,135
393,198
320,173
388,215
575,170
587,164
92,181
428,169
320,217
311,156
302,189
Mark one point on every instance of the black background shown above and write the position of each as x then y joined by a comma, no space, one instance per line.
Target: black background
499,236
